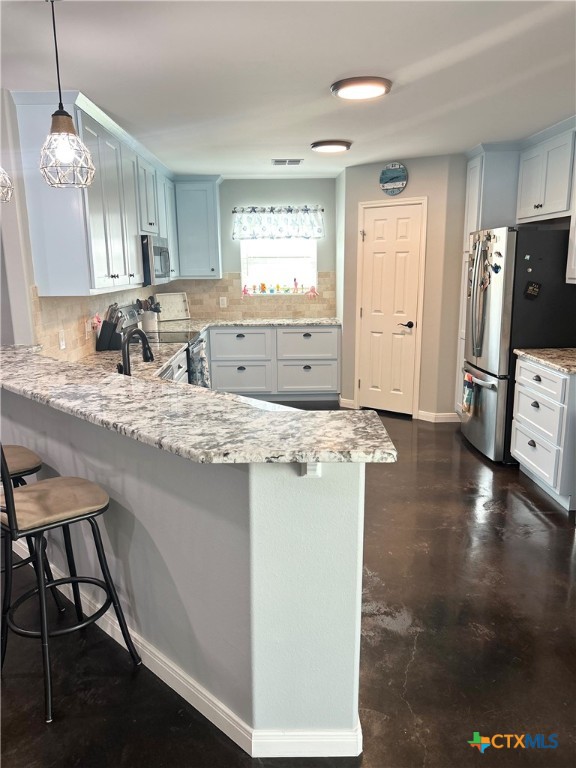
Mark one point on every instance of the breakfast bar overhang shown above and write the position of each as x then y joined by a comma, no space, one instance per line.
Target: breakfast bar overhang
234,536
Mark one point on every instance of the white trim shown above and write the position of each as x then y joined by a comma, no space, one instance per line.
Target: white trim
423,202
437,417
257,743
345,403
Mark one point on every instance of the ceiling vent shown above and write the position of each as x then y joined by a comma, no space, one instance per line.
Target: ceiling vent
287,162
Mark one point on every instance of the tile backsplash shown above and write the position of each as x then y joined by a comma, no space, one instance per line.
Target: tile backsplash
70,314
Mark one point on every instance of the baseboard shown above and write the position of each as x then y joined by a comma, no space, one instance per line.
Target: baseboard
437,417
344,403
257,743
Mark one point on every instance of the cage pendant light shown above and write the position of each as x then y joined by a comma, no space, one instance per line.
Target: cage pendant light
6,187
64,160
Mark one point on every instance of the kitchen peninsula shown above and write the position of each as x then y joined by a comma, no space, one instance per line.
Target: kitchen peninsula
234,536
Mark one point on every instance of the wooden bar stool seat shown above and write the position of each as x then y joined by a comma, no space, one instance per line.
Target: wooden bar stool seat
30,511
21,462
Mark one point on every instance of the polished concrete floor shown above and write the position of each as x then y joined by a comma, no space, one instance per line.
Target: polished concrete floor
468,627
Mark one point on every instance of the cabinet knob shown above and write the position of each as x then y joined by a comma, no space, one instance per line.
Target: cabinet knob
212,270
307,367
131,274
531,443
536,378
151,223
241,368
535,404
114,277
307,335
240,336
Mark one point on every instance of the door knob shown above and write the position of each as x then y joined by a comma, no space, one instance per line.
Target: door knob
409,324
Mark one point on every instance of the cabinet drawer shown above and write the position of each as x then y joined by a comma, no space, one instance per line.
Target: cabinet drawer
542,380
242,376
308,376
307,343
241,344
542,416
534,453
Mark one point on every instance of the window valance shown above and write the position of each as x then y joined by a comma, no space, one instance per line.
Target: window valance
277,222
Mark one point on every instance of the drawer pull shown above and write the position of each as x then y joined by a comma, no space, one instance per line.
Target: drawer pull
536,378
531,443
240,336
307,367
535,404
307,335
241,368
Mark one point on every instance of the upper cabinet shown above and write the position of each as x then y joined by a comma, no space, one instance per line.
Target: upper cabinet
198,218
491,186
85,241
545,178
149,220
167,220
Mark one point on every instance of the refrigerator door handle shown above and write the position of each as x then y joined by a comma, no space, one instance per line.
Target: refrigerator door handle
479,382
474,297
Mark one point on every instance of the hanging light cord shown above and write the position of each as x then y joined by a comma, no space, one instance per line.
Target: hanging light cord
60,105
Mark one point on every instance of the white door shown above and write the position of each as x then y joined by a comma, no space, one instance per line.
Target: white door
390,262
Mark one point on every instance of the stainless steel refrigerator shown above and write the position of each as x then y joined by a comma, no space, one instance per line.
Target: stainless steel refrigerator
517,298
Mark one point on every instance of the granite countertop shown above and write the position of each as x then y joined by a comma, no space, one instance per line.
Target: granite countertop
562,359
199,424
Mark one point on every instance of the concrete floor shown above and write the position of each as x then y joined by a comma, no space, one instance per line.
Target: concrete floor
468,627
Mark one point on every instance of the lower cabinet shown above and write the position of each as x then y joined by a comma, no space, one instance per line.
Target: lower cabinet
289,361
544,429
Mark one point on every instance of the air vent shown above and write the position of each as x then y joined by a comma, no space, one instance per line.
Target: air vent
287,162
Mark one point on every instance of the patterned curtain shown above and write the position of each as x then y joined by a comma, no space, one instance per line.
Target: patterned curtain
277,222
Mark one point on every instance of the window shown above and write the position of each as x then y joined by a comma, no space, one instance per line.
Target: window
283,266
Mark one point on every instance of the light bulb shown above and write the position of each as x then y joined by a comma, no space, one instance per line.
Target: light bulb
62,149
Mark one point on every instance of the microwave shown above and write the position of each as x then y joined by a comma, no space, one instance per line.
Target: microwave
155,260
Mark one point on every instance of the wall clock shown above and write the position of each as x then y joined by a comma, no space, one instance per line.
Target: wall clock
393,178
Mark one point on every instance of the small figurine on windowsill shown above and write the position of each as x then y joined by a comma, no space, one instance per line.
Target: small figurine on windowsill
245,291
312,293
295,290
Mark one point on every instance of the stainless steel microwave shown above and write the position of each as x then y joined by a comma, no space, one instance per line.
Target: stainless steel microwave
155,260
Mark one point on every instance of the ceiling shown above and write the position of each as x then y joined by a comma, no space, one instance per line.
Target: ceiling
223,87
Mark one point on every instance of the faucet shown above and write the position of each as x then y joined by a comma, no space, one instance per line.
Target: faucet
147,355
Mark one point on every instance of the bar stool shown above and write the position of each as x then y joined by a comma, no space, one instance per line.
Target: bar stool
31,510
23,462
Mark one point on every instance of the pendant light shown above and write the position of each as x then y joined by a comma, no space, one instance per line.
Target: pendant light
6,186
64,160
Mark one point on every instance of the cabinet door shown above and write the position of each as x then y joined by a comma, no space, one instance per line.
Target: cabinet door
473,197
96,209
148,197
557,174
131,220
530,182
161,182
172,227
198,220
114,207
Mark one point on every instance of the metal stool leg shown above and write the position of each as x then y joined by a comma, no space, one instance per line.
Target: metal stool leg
112,592
48,571
72,570
6,596
40,548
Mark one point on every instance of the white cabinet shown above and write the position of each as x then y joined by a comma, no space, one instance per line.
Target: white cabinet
167,226
198,220
544,429
545,178
131,217
83,241
293,361
148,193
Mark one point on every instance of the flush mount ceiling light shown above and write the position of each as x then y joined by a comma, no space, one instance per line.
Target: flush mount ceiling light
64,160
331,145
6,187
358,88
